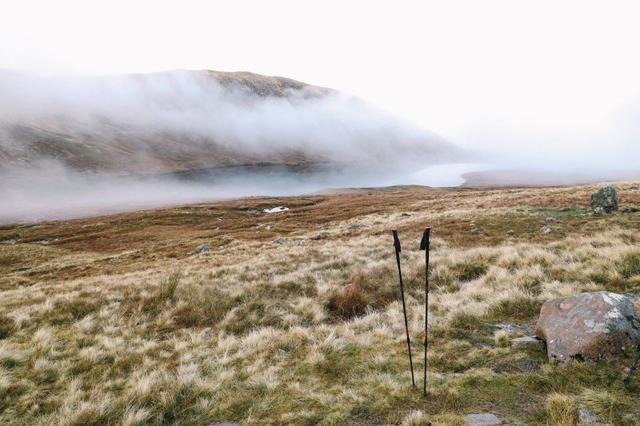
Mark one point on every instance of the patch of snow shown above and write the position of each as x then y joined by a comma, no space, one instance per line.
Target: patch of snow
277,209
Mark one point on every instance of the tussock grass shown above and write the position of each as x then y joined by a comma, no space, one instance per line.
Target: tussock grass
116,321
561,410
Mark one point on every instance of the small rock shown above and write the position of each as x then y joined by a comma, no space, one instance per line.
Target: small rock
207,332
587,417
354,226
527,342
202,248
510,328
510,232
546,230
605,200
550,219
281,241
299,243
405,215
482,419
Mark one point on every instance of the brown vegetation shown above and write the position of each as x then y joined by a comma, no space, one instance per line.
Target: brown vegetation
116,320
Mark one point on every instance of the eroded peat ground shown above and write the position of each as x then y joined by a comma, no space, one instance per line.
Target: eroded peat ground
294,317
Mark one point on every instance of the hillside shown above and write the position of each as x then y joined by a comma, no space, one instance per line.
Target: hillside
294,317
186,120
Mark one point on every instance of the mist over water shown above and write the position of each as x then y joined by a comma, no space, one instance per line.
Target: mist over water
55,192
81,146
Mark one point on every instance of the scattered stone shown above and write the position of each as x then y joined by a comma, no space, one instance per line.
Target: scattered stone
482,419
588,326
277,209
354,226
546,230
281,241
510,232
605,200
207,332
527,342
299,243
511,328
551,219
587,417
202,248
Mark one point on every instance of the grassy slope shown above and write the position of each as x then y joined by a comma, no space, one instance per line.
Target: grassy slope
114,320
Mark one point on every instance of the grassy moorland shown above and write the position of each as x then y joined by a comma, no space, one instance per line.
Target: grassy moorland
294,317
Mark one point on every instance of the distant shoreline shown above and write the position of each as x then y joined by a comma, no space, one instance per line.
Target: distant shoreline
539,178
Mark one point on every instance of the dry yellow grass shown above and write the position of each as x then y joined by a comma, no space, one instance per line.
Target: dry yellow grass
115,320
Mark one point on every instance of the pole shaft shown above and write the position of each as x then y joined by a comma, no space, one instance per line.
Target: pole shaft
426,315
406,322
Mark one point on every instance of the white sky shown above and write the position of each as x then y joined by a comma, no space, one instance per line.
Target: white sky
535,78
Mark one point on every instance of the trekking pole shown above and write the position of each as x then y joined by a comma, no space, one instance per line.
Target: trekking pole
633,368
396,244
424,245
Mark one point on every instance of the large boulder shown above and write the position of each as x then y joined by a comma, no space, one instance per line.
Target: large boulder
605,200
588,326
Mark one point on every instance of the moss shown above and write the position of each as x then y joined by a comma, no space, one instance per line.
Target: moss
7,326
470,270
629,265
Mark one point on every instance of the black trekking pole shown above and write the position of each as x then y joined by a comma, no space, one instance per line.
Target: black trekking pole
633,368
396,244
424,245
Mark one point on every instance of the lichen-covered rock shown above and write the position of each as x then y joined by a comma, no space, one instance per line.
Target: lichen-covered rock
605,200
588,326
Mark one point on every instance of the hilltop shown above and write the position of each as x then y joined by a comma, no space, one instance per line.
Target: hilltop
189,120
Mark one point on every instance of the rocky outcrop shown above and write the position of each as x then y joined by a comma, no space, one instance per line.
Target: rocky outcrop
605,200
588,326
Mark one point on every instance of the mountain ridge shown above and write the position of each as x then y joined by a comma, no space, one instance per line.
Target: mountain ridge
183,120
